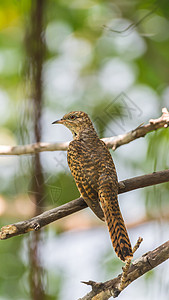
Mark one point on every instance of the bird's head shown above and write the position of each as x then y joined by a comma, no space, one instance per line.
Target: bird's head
76,121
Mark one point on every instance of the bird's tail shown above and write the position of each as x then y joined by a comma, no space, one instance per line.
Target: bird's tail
115,223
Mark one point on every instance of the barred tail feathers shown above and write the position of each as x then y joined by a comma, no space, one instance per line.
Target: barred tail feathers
115,223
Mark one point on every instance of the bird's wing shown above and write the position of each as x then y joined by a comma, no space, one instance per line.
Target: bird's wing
108,191
84,170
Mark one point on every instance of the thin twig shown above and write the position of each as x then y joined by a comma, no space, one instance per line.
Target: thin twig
127,266
132,25
137,245
124,275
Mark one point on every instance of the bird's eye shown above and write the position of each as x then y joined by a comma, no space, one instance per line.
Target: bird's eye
72,117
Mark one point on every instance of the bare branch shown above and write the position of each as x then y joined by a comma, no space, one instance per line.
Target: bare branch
140,131
78,204
32,148
140,266
112,142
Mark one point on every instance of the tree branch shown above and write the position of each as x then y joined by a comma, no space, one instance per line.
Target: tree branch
140,266
140,131
78,204
112,142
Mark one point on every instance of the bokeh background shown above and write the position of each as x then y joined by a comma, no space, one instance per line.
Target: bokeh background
110,59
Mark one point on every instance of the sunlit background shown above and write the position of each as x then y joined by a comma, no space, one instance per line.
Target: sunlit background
110,59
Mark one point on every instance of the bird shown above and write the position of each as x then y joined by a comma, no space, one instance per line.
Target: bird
94,172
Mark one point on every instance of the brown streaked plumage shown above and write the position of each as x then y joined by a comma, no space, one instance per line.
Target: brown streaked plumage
95,175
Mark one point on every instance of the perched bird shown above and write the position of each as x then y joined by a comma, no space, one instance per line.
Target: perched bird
95,175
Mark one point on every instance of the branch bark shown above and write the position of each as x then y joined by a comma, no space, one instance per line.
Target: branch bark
112,142
62,211
147,262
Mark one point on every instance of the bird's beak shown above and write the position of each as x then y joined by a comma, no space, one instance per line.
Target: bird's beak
58,122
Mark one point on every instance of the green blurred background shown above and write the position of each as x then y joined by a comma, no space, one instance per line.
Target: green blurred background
110,59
